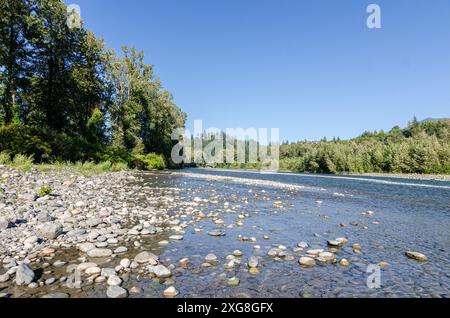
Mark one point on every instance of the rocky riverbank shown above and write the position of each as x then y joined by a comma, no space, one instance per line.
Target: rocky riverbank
99,216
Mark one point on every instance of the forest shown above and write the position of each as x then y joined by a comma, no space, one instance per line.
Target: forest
64,96
422,147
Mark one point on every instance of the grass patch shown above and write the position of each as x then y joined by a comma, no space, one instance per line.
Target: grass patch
22,162
85,168
44,191
5,158
25,163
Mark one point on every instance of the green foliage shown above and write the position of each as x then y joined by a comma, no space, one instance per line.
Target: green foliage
150,161
65,97
43,191
20,139
5,158
419,148
85,168
22,162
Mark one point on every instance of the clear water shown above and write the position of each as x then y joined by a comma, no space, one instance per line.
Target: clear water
410,217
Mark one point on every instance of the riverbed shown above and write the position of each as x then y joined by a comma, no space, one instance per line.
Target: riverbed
276,219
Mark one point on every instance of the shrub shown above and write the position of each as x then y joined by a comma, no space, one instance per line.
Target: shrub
116,155
150,161
43,191
5,158
119,166
22,139
23,162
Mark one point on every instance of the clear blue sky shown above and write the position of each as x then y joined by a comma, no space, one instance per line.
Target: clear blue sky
311,68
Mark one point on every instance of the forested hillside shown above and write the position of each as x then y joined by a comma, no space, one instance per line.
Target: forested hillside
64,96
422,147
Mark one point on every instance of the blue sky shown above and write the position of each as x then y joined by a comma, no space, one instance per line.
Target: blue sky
311,68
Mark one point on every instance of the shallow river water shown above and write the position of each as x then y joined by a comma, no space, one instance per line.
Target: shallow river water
408,215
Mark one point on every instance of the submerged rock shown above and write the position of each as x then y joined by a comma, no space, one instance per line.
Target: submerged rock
307,261
234,281
253,262
417,256
146,257
216,233
116,292
162,272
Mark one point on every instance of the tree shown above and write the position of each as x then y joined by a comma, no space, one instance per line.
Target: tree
14,55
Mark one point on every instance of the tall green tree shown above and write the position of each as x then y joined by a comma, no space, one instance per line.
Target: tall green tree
14,55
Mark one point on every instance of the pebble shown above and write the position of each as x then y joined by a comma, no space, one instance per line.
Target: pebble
146,257
327,256
24,274
303,245
93,270
314,252
344,262
253,262
59,263
84,266
4,223
356,246
51,230
86,247
176,237
56,295
307,261
161,271
108,272
339,242
116,292
216,233
120,250
416,256
4,278
237,253
170,292
273,252
211,259
99,252
125,263
234,281
114,281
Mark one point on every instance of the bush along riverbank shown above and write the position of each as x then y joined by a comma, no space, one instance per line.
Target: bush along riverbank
141,162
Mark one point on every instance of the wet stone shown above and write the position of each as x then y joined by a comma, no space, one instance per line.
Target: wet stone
116,292
416,256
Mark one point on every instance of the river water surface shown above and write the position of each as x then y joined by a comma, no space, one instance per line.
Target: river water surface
408,215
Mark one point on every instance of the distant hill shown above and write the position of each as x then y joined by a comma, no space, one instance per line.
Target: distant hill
434,119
